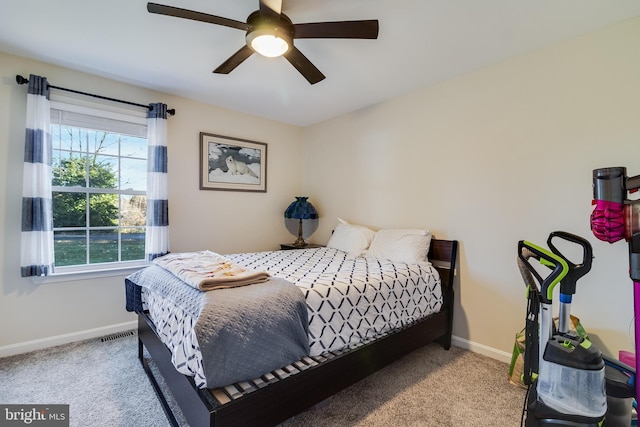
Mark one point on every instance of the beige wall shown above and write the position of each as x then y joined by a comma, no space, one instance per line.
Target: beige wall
489,158
218,220
499,155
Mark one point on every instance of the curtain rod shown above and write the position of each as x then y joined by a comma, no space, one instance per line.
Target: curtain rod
21,80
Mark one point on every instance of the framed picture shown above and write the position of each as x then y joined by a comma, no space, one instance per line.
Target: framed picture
232,164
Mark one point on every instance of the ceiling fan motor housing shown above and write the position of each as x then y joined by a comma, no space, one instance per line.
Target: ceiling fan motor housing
276,26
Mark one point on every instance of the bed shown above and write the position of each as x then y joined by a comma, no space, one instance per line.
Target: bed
275,396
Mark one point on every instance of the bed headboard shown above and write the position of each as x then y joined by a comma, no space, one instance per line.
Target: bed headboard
443,255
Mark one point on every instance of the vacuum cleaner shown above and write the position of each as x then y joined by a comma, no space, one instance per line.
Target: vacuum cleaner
553,400
576,271
615,217
565,373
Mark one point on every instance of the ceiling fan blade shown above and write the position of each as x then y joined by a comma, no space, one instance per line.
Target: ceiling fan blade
304,66
234,60
366,29
273,7
161,9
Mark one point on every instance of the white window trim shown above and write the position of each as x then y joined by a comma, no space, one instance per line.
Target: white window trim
91,271
94,271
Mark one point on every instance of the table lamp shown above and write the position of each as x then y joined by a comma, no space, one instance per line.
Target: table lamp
301,209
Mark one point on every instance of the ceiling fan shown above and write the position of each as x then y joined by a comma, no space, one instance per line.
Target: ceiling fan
271,33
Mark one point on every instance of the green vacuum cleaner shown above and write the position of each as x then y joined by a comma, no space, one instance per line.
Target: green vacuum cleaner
565,373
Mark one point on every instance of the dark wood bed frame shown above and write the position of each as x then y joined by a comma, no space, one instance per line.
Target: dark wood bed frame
278,396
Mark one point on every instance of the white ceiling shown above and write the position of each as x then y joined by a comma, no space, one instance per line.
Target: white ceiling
421,43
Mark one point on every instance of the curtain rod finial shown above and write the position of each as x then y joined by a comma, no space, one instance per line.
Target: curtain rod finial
21,80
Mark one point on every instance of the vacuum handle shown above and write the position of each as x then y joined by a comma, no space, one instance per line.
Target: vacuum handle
526,251
576,271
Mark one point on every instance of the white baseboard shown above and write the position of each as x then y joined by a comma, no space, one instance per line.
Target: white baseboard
25,347
481,349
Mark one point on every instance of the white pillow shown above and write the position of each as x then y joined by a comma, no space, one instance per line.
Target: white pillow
401,245
350,238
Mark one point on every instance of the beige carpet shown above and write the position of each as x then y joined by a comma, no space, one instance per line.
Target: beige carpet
105,385
430,387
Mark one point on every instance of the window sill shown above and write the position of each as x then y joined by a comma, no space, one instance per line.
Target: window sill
86,274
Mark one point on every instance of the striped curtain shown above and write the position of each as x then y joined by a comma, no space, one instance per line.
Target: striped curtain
157,236
36,250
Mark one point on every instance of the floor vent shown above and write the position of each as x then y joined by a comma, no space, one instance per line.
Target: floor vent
117,336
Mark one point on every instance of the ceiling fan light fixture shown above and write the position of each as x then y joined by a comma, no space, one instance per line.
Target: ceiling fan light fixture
269,45
268,42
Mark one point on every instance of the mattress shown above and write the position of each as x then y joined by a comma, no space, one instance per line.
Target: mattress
349,300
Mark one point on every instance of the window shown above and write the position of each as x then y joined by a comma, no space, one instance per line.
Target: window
99,187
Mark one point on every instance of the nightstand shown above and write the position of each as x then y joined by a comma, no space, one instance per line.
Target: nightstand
289,246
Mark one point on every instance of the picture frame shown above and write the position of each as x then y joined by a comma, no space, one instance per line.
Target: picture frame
232,164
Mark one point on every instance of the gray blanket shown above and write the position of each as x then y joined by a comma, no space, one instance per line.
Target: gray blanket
242,332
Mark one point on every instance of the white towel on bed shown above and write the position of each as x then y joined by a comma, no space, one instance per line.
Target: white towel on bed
206,270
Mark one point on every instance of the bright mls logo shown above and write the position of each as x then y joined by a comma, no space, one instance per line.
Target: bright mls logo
34,415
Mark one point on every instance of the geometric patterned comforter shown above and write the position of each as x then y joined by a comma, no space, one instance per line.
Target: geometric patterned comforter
348,300
351,299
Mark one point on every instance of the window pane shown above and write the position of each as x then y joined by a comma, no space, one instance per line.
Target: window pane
76,139
69,209
103,210
133,174
62,137
103,172
104,143
97,141
132,146
56,137
56,158
70,248
103,246
69,169
133,210
133,244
